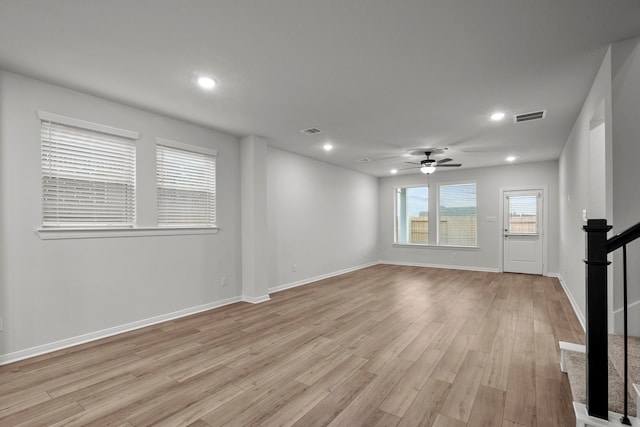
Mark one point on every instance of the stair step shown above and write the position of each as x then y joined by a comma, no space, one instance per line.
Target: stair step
616,355
576,369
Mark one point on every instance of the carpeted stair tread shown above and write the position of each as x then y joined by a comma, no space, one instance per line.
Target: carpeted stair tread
616,355
576,370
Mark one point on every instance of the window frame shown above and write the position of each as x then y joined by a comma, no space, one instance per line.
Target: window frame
395,213
433,215
75,128
445,184
192,149
56,233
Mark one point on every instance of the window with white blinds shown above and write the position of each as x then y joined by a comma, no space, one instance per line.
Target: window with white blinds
186,181
88,174
457,218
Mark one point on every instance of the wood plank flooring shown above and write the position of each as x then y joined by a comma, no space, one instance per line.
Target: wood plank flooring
383,346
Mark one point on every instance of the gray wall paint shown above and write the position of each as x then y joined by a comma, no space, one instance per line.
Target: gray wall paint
58,289
322,218
625,57
489,181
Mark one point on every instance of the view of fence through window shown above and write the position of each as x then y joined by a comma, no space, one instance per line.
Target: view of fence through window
523,218
457,221
457,214
412,215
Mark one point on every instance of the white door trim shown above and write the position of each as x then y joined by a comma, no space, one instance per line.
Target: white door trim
545,220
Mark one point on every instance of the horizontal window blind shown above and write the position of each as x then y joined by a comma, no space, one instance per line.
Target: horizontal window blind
186,183
457,215
88,177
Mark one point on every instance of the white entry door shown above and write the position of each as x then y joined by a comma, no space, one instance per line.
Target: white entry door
523,236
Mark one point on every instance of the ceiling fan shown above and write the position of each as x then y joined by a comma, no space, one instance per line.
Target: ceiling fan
428,165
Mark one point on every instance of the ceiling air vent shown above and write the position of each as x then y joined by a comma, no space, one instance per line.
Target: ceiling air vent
311,131
364,160
527,117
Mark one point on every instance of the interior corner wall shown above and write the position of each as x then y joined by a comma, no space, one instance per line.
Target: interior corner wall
55,290
625,64
489,182
255,282
322,219
4,184
575,192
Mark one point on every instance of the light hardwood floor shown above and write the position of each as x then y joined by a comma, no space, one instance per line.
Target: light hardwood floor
382,346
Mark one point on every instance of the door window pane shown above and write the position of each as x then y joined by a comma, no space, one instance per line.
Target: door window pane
523,215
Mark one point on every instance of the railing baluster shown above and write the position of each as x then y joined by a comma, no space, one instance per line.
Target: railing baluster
625,417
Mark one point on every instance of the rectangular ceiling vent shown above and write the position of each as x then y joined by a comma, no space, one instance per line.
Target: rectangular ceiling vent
311,131
527,117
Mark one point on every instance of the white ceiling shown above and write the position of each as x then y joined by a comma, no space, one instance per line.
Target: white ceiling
378,77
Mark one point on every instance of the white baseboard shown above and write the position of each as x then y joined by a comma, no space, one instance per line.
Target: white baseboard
572,300
255,300
92,336
584,420
320,277
448,267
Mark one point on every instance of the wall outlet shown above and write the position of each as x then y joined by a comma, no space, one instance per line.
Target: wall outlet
294,268
223,282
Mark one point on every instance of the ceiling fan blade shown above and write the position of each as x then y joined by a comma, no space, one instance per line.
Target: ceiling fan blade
450,165
404,169
444,160
413,163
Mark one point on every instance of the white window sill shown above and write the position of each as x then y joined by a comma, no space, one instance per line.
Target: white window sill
426,246
96,233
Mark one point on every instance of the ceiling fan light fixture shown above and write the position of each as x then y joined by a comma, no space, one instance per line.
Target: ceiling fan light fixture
427,169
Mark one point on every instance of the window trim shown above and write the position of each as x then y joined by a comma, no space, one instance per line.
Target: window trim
93,233
83,124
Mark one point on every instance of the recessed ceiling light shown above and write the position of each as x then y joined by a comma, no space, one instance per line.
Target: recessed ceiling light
327,147
206,82
394,170
497,116
510,158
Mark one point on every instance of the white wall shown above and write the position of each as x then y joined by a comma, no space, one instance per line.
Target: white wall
625,59
614,98
59,289
489,181
321,218
577,189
